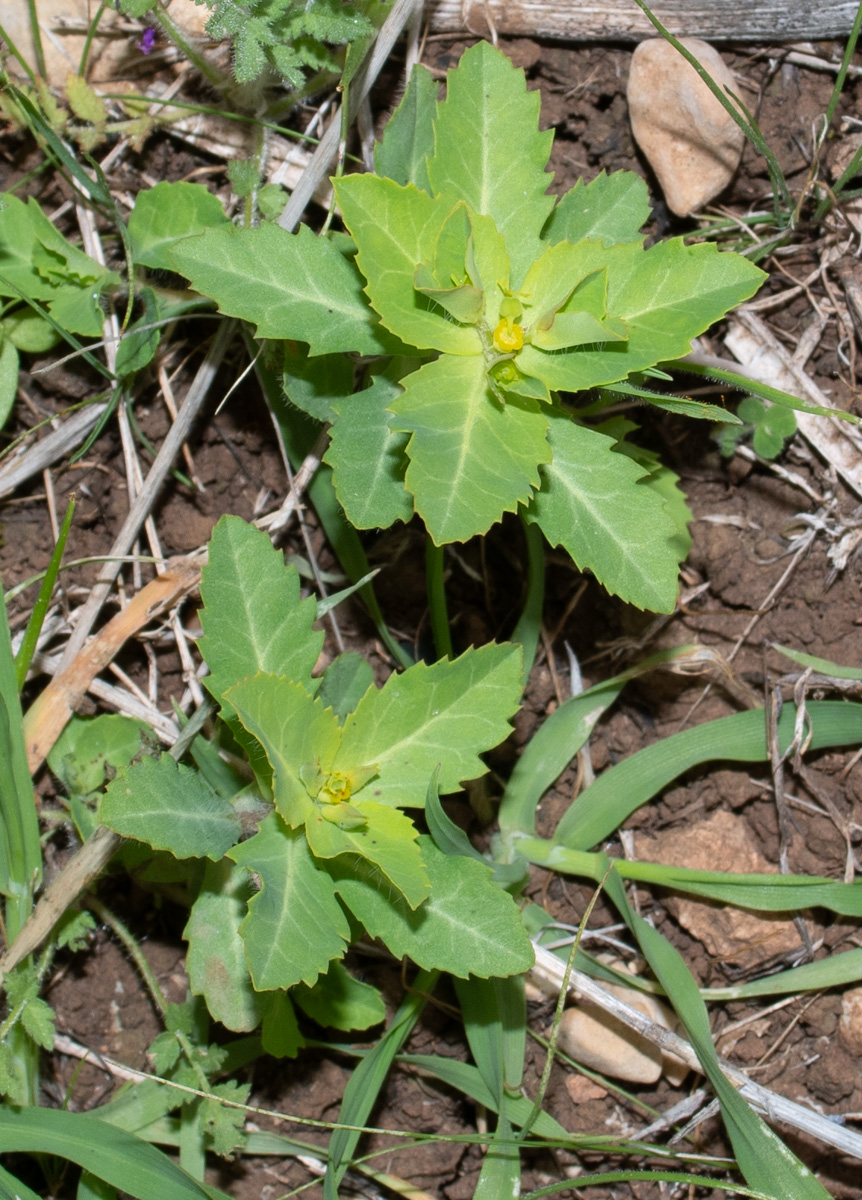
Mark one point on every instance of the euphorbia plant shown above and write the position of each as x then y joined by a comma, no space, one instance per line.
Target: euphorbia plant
321,825
489,305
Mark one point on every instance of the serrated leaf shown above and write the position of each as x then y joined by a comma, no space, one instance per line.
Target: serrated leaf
216,962
290,285
592,504
489,152
222,1124
339,1001
448,713
396,228
368,460
37,1017
295,731
472,458
611,208
468,926
387,838
170,807
665,295
295,926
409,134
253,618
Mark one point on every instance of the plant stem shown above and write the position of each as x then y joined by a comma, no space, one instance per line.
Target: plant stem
437,600
529,627
145,970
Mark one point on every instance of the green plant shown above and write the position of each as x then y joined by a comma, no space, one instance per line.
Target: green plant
335,762
493,309
769,427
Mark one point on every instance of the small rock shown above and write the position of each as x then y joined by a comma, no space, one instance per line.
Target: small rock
598,1040
850,1024
690,141
722,842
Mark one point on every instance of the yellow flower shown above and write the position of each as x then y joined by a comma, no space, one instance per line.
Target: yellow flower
508,336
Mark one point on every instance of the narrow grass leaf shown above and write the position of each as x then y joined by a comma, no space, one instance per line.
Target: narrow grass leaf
367,1078
604,806
109,1153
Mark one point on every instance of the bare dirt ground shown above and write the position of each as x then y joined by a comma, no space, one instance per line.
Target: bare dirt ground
745,521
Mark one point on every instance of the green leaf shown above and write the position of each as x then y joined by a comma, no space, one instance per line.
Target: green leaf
593,504
605,804
409,134
223,1124
35,258
109,1153
368,460
20,848
396,228
92,748
489,152
472,458
345,681
140,341
29,333
253,618
280,1035
296,286
170,807
165,214
610,207
76,309
295,731
315,383
468,926
448,713
824,666
295,926
339,1001
665,295
387,838
764,1159
216,962
38,1019
8,376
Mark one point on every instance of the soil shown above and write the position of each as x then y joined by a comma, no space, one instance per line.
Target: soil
738,600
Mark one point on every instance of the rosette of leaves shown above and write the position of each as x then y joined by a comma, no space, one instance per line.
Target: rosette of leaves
488,301
312,845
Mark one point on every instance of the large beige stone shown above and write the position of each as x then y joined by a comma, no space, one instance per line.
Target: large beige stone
595,1038
850,1024
722,842
690,141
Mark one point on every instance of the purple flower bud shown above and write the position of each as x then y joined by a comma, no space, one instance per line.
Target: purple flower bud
148,41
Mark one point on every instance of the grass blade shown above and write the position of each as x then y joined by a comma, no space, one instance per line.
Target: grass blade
37,617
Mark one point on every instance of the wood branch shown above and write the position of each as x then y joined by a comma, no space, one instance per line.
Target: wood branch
622,20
